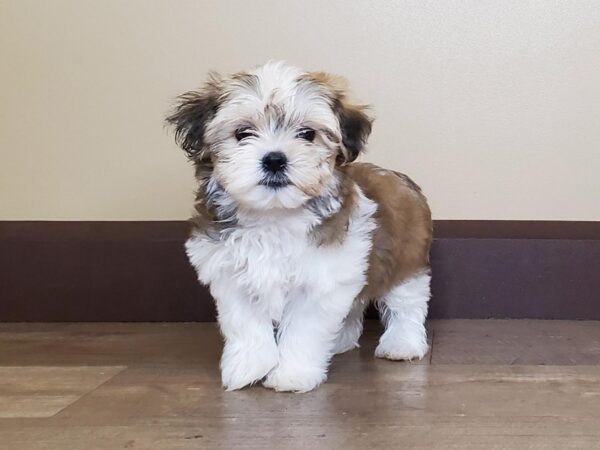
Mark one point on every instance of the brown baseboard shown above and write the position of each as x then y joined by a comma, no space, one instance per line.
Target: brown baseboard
137,271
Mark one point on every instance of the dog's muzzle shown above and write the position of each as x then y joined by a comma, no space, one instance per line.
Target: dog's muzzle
274,166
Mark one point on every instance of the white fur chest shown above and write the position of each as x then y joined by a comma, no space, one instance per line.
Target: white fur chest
273,260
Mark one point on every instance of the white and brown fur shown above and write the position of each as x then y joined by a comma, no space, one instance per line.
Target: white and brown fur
293,265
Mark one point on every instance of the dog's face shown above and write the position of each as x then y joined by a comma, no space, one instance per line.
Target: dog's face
271,136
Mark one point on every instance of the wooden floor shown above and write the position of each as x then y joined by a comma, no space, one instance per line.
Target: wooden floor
484,385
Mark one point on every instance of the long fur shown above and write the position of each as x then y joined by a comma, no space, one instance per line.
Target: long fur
292,265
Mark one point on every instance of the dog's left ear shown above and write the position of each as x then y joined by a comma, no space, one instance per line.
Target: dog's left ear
355,126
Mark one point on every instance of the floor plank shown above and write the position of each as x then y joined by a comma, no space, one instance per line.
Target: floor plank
44,391
436,407
551,342
169,394
108,343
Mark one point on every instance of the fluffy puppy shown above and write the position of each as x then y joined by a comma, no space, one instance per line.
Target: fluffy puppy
293,237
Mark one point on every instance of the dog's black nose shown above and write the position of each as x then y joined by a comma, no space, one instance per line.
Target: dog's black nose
274,162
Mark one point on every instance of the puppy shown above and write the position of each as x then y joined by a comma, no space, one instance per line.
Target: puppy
293,237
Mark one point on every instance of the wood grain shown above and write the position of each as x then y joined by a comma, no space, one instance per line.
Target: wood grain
169,396
509,342
44,391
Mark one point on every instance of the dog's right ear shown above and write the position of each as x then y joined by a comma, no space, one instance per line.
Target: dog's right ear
192,112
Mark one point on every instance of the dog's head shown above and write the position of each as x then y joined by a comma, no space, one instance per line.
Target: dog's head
272,136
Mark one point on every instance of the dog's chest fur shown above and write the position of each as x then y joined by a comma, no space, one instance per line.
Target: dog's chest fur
275,260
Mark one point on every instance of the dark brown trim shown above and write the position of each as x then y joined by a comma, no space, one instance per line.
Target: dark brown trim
94,231
98,271
178,229
516,229
137,271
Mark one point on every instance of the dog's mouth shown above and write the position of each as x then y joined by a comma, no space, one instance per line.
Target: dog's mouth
276,181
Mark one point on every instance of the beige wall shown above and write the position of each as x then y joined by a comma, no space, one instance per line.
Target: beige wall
492,106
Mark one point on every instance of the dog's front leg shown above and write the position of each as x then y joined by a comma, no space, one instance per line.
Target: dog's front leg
250,351
306,339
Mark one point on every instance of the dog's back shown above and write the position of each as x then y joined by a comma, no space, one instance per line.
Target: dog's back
404,228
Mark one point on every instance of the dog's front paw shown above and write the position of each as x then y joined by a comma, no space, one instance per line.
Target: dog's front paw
294,379
402,345
241,366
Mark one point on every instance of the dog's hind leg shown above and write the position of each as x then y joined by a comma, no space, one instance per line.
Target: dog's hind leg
347,339
403,311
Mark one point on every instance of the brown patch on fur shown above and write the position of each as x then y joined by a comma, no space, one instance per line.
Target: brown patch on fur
355,124
404,230
309,191
333,228
247,80
338,85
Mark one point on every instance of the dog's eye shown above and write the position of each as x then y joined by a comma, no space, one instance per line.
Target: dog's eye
243,133
308,134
